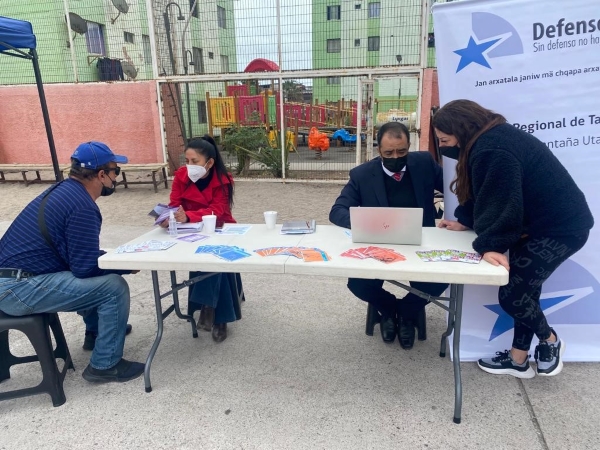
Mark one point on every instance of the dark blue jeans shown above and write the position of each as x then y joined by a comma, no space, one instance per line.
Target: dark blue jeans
106,296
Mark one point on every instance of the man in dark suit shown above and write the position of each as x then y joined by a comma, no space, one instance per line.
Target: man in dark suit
395,179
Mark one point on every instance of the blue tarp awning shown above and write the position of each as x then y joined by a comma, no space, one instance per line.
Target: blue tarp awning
16,33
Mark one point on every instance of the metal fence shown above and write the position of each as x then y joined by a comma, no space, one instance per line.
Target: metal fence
210,58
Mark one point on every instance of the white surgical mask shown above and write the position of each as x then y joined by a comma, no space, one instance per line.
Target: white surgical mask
195,172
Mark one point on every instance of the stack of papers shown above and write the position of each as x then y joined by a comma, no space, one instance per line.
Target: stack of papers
307,254
226,252
299,227
189,227
449,255
146,246
161,213
385,255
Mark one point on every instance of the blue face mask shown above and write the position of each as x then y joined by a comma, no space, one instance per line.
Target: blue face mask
395,165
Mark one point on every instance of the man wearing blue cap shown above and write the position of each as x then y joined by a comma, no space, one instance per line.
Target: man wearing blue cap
49,262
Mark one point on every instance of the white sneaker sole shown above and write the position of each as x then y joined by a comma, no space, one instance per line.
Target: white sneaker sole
558,369
529,373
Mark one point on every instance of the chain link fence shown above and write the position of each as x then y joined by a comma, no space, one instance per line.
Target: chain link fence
222,64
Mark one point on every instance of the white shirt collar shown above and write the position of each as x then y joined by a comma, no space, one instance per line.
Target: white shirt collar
387,172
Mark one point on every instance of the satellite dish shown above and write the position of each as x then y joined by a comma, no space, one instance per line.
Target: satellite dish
129,69
121,6
78,24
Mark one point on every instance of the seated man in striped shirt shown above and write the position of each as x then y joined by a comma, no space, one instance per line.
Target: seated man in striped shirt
49,262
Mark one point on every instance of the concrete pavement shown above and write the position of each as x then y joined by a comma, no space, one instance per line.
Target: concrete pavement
297,372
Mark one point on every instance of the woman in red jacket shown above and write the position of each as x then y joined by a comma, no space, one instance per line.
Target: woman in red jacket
201,188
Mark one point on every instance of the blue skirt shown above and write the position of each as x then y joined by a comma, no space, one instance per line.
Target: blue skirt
221,291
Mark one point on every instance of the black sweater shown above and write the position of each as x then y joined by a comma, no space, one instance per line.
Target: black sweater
519,187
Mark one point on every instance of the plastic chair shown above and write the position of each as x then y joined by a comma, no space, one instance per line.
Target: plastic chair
37,329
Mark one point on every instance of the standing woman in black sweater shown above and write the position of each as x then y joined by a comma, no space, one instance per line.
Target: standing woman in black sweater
516,195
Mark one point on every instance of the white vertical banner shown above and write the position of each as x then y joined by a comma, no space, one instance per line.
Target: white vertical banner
538,64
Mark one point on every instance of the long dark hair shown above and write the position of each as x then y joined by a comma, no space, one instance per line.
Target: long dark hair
207,147
466,121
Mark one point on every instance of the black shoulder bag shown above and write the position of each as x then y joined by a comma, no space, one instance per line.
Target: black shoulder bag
42,223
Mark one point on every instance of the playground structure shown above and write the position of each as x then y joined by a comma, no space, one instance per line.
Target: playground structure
239,107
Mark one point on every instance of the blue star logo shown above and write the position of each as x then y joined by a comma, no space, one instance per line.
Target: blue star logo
473,53
504,322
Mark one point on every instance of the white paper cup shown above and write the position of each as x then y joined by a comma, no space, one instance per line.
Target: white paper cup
270,219
210,223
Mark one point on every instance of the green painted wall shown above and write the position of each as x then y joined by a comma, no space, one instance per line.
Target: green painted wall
322,30
207,35
398,28
49,25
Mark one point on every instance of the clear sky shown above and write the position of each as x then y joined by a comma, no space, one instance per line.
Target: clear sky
256,32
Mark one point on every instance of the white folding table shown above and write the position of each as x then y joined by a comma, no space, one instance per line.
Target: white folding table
333,240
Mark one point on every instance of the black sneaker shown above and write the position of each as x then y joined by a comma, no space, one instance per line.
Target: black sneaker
548,357
503,364
89,342
123,371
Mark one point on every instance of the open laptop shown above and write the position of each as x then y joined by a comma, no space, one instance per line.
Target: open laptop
386,225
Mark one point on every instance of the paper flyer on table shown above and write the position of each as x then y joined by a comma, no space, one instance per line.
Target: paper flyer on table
146,246
234,229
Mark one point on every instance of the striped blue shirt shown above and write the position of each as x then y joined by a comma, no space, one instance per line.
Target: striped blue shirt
73,220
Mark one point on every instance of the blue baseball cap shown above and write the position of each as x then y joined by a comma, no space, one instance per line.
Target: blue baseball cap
95,154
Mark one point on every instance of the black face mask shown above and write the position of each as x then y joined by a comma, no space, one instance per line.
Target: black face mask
450,152
394,165
106,191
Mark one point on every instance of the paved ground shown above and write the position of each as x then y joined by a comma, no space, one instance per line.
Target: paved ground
297,372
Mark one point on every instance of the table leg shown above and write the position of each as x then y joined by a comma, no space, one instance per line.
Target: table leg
178,308
159,331
456,347
450,327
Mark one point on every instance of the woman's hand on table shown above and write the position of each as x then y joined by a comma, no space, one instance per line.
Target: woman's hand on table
451,225
496,259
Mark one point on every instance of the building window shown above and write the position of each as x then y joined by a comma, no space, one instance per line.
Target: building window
430,40
374,9
198,60
333,80
221,17
94,39
129,37
195,10
211,55
202,112
334,45
333,12
373,43
147,49
357,6
357,42
224,63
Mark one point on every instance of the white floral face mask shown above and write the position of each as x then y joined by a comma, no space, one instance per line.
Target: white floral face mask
195,172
